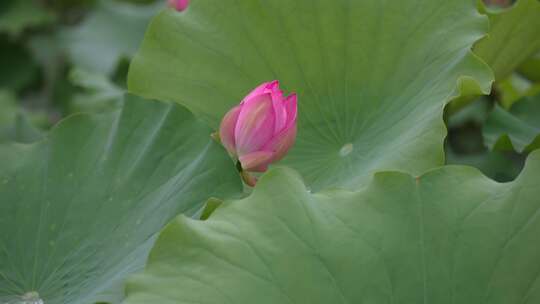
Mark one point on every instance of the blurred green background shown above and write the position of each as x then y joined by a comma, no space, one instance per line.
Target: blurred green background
60,57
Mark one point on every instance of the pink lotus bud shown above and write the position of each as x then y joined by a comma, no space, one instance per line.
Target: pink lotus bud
262,128
178,5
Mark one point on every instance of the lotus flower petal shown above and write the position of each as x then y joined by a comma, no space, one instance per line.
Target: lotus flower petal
226,129
256,161
281,143
266,87
255,125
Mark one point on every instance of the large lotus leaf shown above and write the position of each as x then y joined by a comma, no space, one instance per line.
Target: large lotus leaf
112,31
449,236
372,76
513,37
518,128
78,208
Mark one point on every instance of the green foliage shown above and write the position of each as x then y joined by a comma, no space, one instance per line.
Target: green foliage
112,31
100,93
372,82
513,88
81,206
518,128
17,15
448,236
465,144
531,68
19,69
8,113
513,37
501,166
78,209
17,125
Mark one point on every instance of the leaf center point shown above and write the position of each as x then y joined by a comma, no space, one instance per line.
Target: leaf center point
346,149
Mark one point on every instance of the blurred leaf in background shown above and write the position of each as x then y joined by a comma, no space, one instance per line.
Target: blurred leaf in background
99,92
60,57
16,124
531,68
17,15
516,129
112,31
464,144
19,69
513,88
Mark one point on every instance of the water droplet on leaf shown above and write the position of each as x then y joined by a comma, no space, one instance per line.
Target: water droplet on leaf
346,149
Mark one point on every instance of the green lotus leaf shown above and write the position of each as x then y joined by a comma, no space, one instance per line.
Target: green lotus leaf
79,208
372,79
449,236
518,128
513,37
